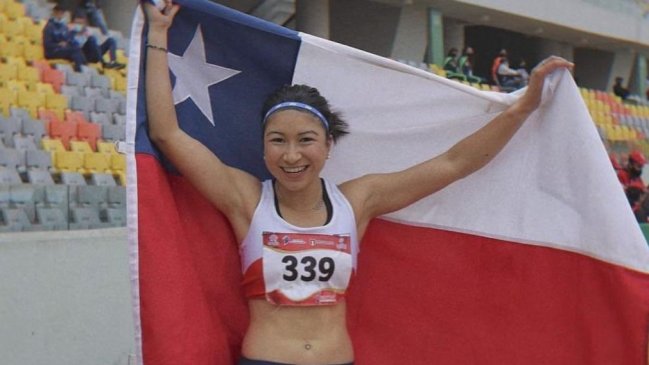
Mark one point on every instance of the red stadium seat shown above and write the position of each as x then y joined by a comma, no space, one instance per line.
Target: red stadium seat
65,131
89,132
54,77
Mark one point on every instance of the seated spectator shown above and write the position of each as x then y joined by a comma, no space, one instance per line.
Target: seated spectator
73,42
57,40
495,64
451,67
620,90
465,65
92,11
92,50
631,176
508,78
522,70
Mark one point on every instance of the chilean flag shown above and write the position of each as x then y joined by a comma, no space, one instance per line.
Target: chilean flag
535,259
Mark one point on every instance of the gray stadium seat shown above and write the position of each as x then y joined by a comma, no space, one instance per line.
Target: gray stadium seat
100,82
8,128
106,105
117,196
14,220
5,195
120,119
92,195
116,217
79,79
39,177
27,196
51,219
38,159
24,142
102,179
19,113
71,90
9,176
12,158
85,218
83,104
58,197
72,178
101,118
113,132
34,128
94,92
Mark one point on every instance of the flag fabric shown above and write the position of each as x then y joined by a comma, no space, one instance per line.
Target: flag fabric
535,259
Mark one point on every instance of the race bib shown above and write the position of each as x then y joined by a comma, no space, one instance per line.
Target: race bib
306,269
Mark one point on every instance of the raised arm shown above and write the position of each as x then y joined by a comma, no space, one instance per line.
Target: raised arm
377,194
233,191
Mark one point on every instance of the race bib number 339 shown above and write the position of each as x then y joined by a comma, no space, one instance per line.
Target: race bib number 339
306,269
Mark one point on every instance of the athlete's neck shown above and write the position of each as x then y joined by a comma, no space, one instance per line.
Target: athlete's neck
309,198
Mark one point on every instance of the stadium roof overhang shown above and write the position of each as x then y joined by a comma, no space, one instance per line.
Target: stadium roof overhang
477,15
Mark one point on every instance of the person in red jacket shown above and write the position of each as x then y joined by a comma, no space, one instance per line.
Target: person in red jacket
630,176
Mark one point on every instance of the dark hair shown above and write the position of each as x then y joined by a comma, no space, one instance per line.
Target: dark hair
58,7
310,96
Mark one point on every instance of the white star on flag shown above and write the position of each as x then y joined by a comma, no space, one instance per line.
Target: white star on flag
194,75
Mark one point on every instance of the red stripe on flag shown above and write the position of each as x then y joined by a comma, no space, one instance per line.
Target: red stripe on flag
420,295
192,308
425,296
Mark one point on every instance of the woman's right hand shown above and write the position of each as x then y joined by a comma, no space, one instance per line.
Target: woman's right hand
160,20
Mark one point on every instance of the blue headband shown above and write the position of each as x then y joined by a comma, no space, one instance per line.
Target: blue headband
297,105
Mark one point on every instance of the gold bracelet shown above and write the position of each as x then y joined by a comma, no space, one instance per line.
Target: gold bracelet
158,48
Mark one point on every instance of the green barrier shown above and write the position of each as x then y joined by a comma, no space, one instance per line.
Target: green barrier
645,230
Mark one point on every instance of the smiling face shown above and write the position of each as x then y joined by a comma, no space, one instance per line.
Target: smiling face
296,146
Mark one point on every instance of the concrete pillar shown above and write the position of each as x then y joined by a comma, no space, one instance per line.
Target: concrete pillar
622,65
547,47
119,15
410,37
638,81
453,34
312,16
435,37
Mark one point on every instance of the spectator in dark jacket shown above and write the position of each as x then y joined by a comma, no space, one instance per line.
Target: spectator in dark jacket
92,50
620,90
58,41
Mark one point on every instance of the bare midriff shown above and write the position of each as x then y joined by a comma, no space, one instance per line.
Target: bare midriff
313,335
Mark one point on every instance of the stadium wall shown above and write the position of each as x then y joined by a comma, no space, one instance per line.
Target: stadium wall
65,298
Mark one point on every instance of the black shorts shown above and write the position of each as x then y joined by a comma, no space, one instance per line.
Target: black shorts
245,361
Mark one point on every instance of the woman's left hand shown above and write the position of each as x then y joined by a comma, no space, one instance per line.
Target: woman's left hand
532,97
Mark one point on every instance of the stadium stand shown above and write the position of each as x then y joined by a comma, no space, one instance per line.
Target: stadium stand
58,170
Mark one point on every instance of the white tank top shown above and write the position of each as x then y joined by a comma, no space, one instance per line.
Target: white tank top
299,265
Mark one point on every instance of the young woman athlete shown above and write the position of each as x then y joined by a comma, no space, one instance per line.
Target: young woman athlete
296,298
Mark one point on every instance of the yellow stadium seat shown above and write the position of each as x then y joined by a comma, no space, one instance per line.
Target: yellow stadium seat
28,74
106,147
8,72
8,99
57,103
118,166
97,162
69,161
13,28
3,18
12,49
34,32
44,88
14,10
31,101
33,52
52,145
80,146
121,57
